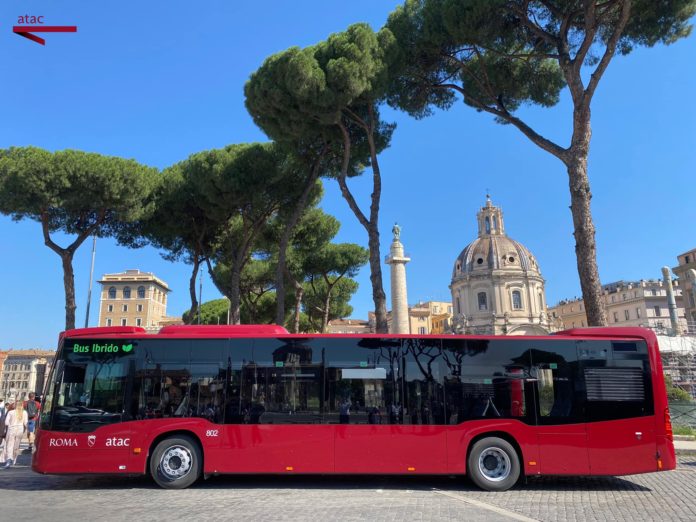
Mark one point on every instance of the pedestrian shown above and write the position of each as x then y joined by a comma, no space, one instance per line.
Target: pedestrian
16,422
3,413
32,407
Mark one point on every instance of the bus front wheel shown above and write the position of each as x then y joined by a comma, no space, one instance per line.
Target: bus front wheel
176,462
493,464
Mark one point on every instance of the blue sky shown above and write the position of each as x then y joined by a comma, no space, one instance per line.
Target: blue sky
157,81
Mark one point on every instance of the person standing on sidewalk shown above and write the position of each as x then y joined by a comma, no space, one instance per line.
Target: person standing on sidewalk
3,413
16,422
32,407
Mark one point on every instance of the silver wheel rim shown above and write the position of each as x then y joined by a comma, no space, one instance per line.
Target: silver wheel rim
494,464
176,462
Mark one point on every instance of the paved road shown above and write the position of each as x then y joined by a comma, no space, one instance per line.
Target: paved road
659,496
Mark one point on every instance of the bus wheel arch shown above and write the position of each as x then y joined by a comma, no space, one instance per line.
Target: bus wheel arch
495,446
175,459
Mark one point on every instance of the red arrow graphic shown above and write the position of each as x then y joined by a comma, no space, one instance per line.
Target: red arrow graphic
26,30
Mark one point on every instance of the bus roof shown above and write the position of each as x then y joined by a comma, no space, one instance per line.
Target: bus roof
265,330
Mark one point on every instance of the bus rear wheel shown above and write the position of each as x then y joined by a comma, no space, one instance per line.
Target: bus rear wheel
493,464
176,462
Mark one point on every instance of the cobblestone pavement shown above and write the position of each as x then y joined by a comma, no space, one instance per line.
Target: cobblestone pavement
658,496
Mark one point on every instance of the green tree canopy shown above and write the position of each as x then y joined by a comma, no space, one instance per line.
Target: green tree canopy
74,192
328,95
498,55
328,267
180,225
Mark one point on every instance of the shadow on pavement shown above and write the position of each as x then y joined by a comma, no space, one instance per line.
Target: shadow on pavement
21,478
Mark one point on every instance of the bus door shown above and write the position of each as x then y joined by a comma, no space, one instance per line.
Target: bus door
273,413
388,402
621,427
561,428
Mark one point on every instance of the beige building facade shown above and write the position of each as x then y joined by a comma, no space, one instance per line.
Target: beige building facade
686,272
133,298
24,371
497,287
424,318
349,326
636,303
430,317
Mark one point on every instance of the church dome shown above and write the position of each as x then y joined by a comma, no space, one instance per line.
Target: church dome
496,283
493,249
494,252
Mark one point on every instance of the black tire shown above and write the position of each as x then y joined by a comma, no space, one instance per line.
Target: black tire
493,464
176,462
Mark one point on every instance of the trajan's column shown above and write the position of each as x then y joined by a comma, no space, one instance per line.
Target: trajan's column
397,260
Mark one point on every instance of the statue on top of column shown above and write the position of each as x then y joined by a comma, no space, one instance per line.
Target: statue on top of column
396,230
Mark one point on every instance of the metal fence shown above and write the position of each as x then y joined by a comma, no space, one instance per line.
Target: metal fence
683,413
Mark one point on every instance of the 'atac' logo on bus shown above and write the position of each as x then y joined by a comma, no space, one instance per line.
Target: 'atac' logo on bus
117,442
62,443
91,440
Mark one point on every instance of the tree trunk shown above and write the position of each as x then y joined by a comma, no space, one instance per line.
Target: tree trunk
299,294
583,226
235,296
285,240
66,258
192,292
378,295
325,315
371,224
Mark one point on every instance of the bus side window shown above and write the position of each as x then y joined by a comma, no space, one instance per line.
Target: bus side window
561,396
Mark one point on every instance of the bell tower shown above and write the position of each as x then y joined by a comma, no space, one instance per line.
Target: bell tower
490,220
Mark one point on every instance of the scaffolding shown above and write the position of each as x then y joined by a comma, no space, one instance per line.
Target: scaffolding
679,361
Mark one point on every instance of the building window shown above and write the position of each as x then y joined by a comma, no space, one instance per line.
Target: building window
623,296
638,313
139,308
658,312
654,292
109,308
627,315
141,292
516,300
686,259
482,301
126,292
488,225
421,330
459,308
449,310
108,322
613,298
616,317
112,292
138,321
125,308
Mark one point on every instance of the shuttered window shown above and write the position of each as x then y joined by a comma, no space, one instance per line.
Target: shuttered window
615,384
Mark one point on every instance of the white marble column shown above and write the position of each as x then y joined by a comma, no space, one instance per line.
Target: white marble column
399,297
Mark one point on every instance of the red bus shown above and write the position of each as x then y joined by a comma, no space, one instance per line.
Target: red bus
196,401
